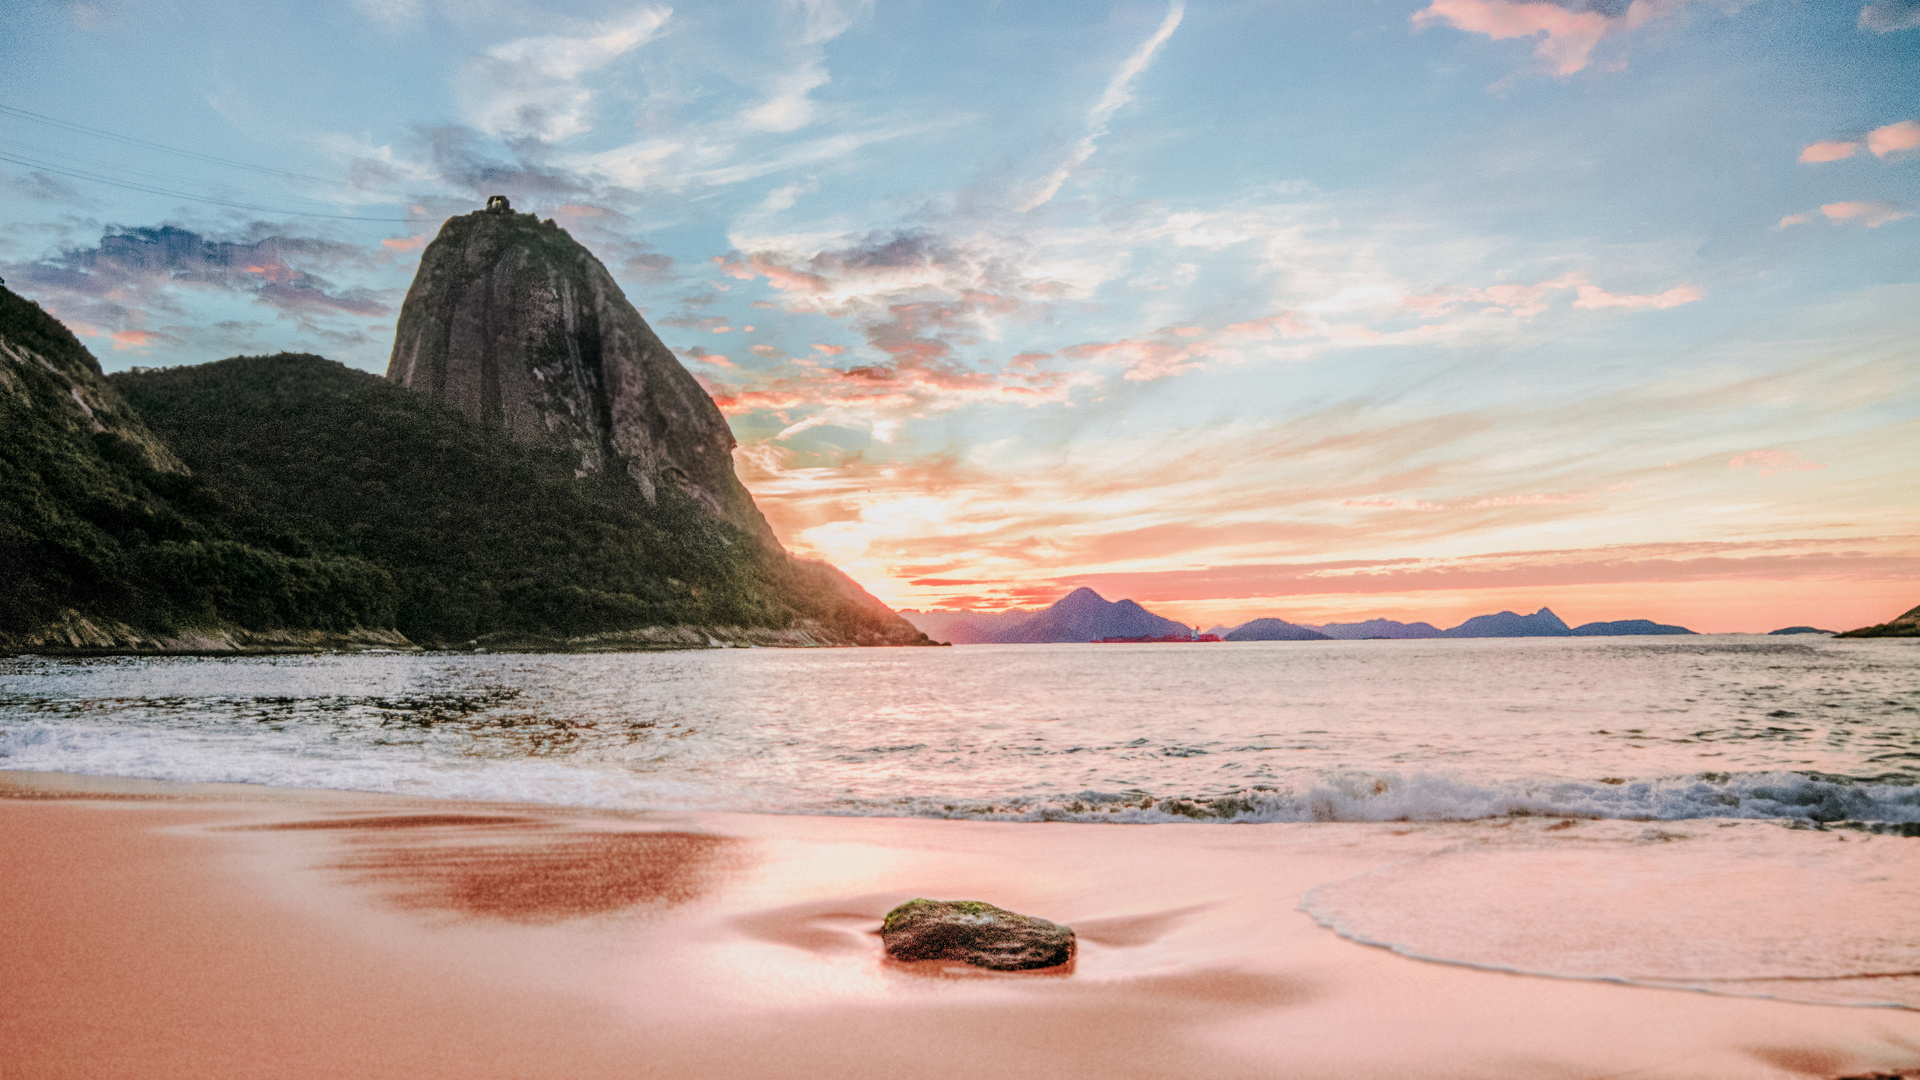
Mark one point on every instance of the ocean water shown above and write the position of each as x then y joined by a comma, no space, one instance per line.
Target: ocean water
1805,729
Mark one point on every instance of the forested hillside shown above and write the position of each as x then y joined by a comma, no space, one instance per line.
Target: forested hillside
99,519
202,507
481,534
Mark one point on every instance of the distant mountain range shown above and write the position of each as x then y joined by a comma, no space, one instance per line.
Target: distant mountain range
1377,628
1084,615
1544,623
1273,630
1081,615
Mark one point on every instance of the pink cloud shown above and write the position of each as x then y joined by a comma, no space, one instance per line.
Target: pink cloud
1831,150
411,243
705,357
1566,38
831,350
1871,214
1392,504
919,377
1284,325
134,339
1490,502
1593,298
779,277
1894,138
1772,461
1146,360
1792,219
1529,300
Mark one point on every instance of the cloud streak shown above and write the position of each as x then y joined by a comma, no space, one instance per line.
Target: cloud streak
1118,93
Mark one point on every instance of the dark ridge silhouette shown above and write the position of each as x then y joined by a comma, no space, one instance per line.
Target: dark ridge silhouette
1274,630
1907,625
1377,630
1542,623
1627,628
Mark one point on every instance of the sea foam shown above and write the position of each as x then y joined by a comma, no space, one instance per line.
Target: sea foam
296,759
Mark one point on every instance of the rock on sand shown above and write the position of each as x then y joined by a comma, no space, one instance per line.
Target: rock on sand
974,933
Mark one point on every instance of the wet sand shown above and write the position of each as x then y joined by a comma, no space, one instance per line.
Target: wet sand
157,930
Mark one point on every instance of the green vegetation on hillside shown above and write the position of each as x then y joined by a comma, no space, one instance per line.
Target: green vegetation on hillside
480,535
96,518
1907,625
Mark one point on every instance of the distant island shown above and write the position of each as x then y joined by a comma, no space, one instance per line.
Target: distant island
1798,630
1272,630
537,472
1084,615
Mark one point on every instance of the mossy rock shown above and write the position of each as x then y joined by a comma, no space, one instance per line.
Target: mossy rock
976,933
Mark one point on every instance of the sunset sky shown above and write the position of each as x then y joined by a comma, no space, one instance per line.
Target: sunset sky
1317,310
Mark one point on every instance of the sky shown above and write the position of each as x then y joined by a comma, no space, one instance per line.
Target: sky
1408,308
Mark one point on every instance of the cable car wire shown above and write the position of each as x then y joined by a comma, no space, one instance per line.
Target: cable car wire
149,189
23,114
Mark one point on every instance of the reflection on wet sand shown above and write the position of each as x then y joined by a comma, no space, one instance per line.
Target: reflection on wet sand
520,868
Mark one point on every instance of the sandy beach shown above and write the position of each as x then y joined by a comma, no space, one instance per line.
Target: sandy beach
165,930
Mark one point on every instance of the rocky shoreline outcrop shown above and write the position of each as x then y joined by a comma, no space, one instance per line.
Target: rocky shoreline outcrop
1907,625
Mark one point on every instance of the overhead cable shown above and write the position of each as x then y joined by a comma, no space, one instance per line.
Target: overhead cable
162,147
79,174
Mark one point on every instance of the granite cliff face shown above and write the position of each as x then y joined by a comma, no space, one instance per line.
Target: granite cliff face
514,323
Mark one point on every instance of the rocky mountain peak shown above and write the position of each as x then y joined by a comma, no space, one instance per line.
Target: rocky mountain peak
513,322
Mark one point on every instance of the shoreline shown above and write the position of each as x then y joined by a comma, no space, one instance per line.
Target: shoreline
118,640
76,636
161,929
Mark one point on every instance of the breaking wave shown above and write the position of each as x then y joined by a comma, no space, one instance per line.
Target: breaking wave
295,759
1815,799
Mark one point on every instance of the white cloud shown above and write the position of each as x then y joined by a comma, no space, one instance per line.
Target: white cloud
531,87
1119,92
1886,16
789,109
788,106
827,19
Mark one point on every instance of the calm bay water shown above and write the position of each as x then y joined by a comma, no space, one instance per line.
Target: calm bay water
1712,726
